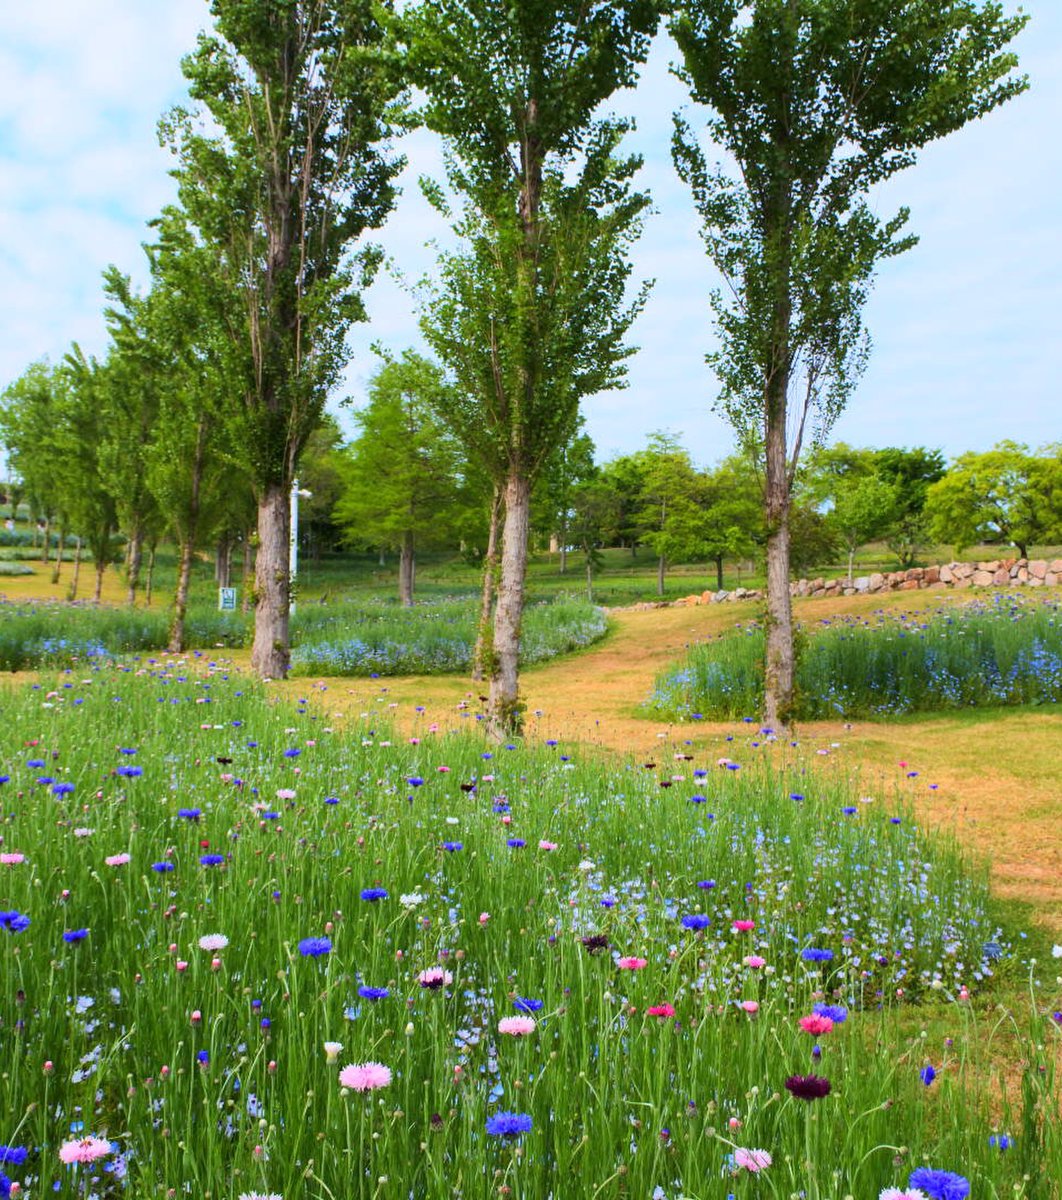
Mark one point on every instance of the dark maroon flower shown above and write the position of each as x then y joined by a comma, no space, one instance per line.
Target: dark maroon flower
808,1087
595,942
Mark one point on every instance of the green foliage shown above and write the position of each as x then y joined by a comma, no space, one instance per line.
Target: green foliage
1006,494
988,654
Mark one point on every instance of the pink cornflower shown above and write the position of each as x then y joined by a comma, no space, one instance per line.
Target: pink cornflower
816,1024
754,961
544,845
116,860
85,1150
517,1026
751,1006
11,859
743,926
751,1160
902,1194
285,793
435,977
213,941
631,963
365,1077
661,1010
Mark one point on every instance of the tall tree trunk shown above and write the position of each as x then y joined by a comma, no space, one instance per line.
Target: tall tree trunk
180,603
406,568
851,562
59,557
779,665
504,711
135,557
247,568
149,586
270,656
589,580
101,566
486,601
563,558
661,567
47,540
718,572
71,593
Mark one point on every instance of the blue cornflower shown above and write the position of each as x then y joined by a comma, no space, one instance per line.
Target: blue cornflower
331,799
941,1185
500,806
508,1124
126,750
293,753
315,947
373,993
796,796
61,789
608,901
211,860
695,921
5,1186
700,773
1001,1141
75,935
190,814
706,884
374,893
35,763
836,1012
415,781
895,820
162,867
265,1023
849,810
927,1075
15,1155
698,799
516,843
14,921
526,1004
270,816
130,772
203,1057
812,954
5,778
453,846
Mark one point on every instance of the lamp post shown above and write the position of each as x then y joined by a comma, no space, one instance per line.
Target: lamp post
293,536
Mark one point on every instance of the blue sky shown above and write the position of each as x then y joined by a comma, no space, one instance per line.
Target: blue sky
965,327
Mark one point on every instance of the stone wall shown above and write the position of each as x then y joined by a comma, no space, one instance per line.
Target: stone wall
1003,572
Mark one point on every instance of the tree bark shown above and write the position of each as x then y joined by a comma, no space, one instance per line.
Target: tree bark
149,586
223,561
180,603
719,573
72,590
406,569
779,658
47,540
589,581
247,568
135,558
270,655
59,557
101,566
486,602
851,561
504,710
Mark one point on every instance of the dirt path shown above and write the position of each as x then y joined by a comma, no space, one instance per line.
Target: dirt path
993,778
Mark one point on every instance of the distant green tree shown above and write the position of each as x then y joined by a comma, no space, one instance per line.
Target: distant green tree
594,506
910,473
400,479
813,103
732,503
625,475
551,498
671,516
1006,494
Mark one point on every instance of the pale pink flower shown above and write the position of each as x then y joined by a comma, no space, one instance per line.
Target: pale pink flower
85,1150
751,1006
285,793
213,941
365,1077
517,1026
116,860
751,1160
544,845
11,859
631,963
754,961
902,1194
261,1196
83,831
435,977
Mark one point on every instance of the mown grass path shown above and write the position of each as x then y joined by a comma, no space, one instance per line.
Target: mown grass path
997,773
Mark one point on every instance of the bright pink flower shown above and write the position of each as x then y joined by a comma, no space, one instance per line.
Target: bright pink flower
816,1024
517,1026
751,1006
661,1010
751,1160
631,963
754,961
85,1150
11,859
743,926
902,1194
365,1077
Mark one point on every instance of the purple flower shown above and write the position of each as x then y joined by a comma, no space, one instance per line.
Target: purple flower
812,954
808,1087
836,1012
162,867
14,921
452,847
940,1185
130,772
516,843
190,814
373,993
315,947
695,921
526,1004
927,1075
508,1124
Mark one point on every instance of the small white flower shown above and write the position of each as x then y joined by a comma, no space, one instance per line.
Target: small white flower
410,899
1056,951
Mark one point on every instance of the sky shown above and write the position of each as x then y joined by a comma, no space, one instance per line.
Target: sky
965,328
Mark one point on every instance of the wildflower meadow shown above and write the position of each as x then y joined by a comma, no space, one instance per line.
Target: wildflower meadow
1002,651
251,949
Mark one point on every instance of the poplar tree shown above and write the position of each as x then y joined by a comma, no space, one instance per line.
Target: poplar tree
813,102
280,171
529,314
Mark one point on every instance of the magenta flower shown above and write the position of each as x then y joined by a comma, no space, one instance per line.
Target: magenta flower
631,963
